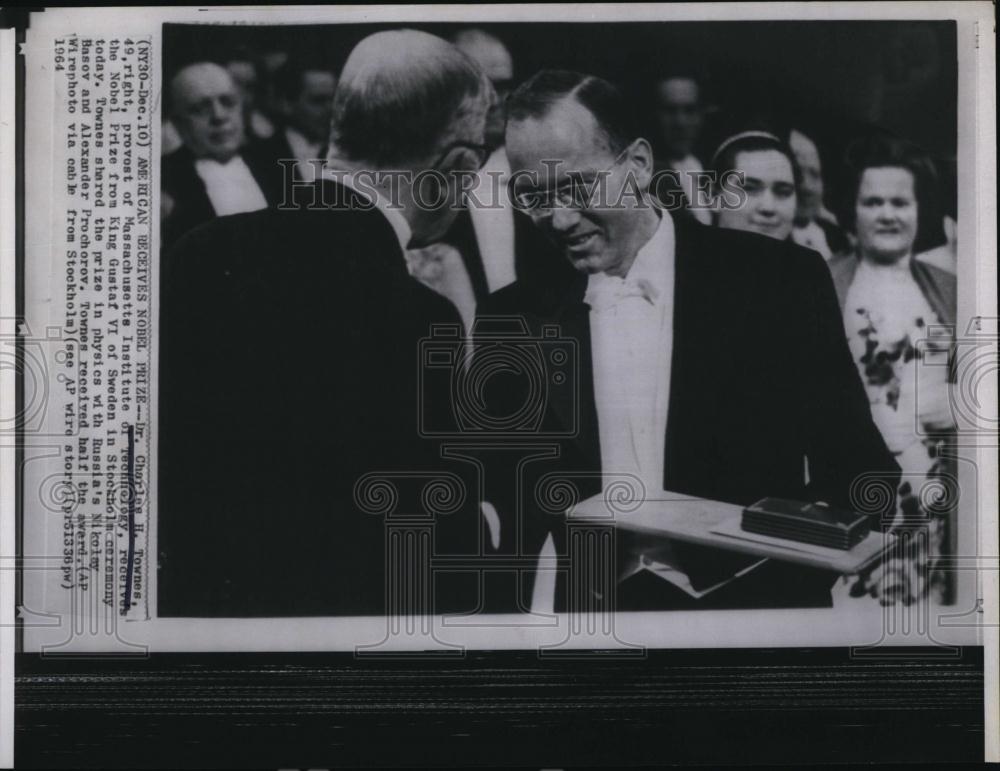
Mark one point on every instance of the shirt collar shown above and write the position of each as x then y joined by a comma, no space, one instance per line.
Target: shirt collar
652,267
688,162
393,214
302,148
211,164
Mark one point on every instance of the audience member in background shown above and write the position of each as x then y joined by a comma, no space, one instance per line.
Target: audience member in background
890,301
305,99
271,61
944,257
210,175
489,245
476,256
680,115
769,182
243,69
170,138
815,226
493,57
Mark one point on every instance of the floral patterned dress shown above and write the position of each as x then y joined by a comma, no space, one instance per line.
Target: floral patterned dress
901,347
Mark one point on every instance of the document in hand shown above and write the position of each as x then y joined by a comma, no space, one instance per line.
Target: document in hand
718,525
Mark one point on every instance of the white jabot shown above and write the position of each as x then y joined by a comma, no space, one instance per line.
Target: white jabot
689,167
305,151
231,187
493,221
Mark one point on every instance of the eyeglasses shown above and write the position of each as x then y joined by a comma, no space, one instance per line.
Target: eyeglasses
574,194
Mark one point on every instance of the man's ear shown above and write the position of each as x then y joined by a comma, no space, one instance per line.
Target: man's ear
641,160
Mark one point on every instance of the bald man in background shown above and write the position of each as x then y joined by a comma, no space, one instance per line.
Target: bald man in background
815,226
211,174
305,96
489,245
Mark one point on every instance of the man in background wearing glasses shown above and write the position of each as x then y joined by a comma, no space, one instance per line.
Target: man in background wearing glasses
711,362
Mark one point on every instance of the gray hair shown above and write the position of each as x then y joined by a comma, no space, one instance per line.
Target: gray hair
399,94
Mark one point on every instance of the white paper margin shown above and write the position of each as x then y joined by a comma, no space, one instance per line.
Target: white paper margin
977,273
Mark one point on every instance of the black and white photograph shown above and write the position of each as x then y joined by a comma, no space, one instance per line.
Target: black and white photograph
468,262
555,341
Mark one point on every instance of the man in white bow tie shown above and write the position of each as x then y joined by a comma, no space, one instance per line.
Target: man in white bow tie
711,362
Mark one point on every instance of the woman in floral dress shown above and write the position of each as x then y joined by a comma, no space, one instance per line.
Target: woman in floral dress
899,316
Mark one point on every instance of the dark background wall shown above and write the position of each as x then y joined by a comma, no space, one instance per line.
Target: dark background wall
836,79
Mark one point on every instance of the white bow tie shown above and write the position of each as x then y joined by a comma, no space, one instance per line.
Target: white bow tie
608,294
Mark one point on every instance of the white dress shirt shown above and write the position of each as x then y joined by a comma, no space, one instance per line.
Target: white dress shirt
306,152
493,221
231,187
631,331
689,168
813,237
631,337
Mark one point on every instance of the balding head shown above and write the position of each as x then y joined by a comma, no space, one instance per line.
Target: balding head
488,52
206,108
403,97
494,60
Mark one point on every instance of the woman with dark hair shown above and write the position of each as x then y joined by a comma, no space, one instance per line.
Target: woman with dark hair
895,308
756,179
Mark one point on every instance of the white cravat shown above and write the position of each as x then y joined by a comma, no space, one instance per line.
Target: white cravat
631,336
231,187
631,329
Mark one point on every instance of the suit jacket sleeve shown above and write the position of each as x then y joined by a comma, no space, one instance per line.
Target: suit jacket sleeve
849,463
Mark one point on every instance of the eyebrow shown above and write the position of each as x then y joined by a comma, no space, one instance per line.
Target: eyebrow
759,181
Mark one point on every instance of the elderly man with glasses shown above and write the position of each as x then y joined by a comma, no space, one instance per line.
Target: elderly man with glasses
289,359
